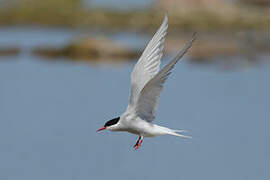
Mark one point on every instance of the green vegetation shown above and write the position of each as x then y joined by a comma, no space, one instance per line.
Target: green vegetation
71,13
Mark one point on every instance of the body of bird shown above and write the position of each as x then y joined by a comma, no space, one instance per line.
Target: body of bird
137,126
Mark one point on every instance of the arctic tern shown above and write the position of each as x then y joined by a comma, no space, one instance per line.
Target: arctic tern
146,86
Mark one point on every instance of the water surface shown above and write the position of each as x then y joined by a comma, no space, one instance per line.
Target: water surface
49,111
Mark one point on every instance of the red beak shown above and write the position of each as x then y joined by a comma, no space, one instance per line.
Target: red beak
101,129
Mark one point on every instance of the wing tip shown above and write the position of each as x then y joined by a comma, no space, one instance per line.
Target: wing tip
165,20
194,36
166,15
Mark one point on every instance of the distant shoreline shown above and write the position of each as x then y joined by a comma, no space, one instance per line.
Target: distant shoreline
72,15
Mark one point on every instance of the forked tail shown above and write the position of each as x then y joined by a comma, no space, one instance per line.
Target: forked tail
177,133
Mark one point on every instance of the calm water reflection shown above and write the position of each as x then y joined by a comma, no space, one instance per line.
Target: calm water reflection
49,112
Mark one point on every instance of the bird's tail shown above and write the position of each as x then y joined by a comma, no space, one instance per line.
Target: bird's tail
177,133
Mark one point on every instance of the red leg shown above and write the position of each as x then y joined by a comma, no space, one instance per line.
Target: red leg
138,144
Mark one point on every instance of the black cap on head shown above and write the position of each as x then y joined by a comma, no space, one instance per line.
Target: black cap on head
112,122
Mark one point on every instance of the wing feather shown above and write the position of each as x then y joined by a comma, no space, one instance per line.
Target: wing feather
148,64
149,96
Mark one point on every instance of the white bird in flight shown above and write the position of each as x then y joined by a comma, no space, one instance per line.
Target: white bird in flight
146,85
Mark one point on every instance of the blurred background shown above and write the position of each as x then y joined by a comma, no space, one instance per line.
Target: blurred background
65,70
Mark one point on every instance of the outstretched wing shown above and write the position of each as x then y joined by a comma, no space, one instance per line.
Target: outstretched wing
147,103
148,64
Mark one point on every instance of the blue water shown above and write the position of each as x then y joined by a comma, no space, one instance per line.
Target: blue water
49,112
